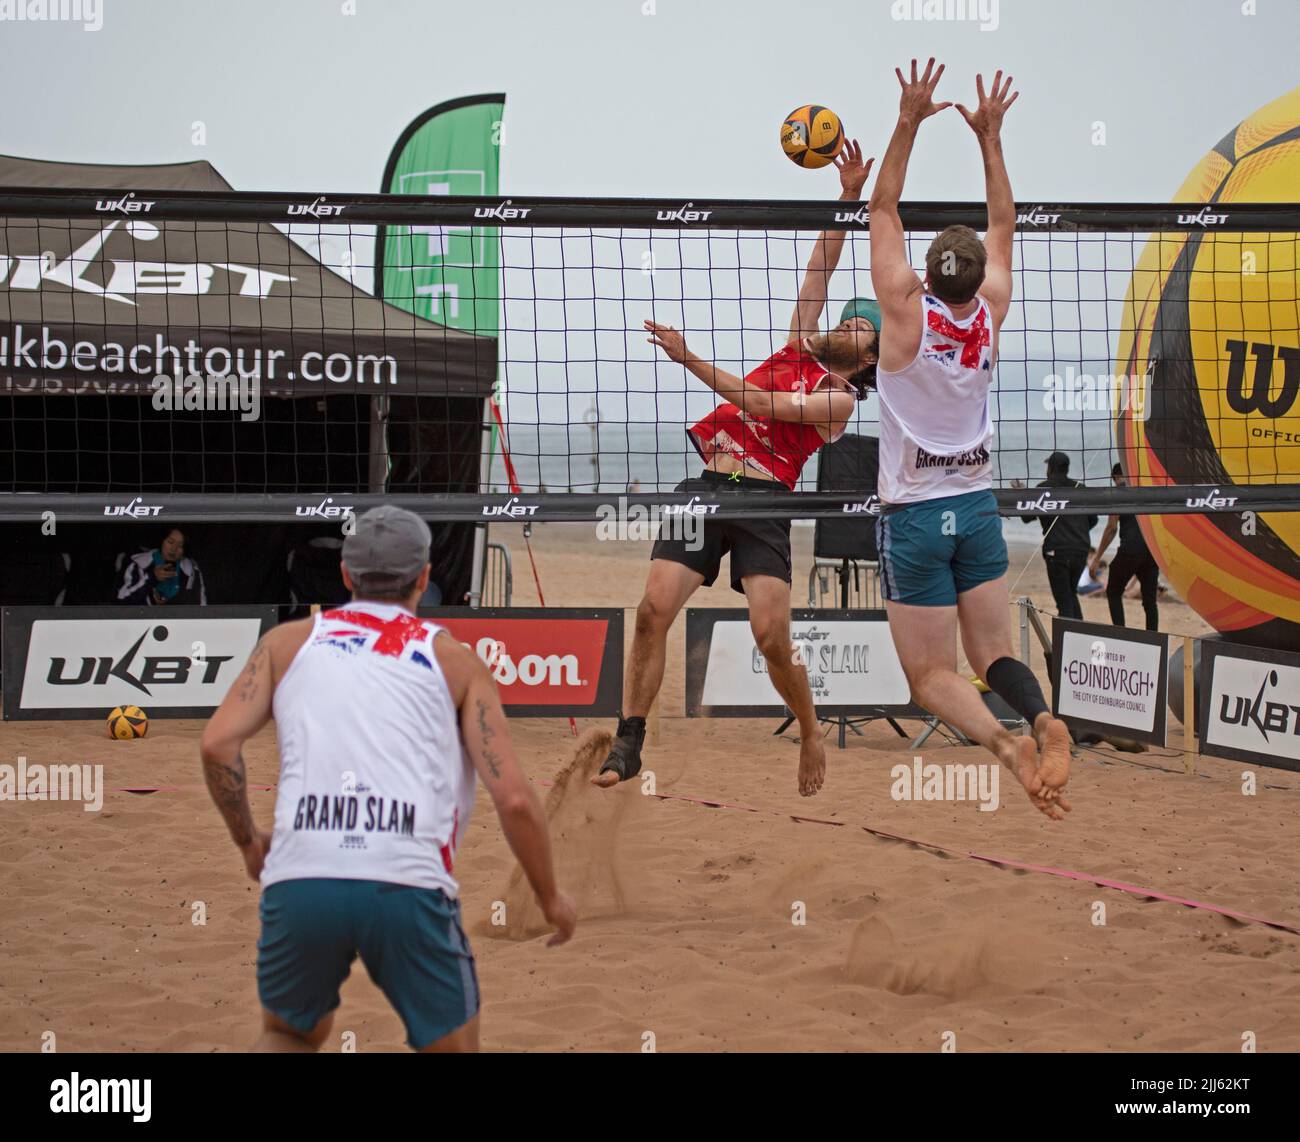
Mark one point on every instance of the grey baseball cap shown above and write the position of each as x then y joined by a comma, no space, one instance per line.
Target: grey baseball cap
387,540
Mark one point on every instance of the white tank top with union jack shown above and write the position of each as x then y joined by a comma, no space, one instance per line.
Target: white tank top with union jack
375,783
936,432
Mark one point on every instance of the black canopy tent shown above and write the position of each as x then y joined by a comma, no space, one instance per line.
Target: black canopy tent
355,395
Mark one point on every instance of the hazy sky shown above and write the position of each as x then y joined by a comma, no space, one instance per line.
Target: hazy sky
605,100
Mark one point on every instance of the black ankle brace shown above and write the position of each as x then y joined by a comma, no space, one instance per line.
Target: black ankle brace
1013,682
631,728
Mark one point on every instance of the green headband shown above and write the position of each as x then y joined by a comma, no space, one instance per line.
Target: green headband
862,307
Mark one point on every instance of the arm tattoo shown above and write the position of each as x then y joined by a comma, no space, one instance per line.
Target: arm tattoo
257,663
228,786
487,733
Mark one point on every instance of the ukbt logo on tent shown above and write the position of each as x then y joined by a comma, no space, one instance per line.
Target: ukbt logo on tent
91,268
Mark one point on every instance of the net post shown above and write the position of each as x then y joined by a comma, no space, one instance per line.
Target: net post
1190,747
378,470
478,562
475,594
1022,605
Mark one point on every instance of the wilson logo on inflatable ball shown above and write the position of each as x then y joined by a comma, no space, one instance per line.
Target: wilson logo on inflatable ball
1212,320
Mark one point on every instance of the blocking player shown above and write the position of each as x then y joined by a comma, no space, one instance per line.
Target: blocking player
943,558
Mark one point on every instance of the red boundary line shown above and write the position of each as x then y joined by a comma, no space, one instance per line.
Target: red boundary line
1002,862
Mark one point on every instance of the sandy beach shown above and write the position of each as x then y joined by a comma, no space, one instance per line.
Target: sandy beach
773,923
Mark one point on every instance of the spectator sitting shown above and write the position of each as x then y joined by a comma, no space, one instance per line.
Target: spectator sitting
1090,581
1134,591
163,575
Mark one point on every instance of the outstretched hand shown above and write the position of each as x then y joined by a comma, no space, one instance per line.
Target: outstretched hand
853,171
917,101
668,339
986,120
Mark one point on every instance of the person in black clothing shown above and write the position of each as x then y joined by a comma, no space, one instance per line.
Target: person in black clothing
1133,558
1065,542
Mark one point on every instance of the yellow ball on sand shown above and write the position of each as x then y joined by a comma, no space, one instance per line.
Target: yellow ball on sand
127,722
812,136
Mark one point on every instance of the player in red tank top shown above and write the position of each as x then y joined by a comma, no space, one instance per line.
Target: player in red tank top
757,440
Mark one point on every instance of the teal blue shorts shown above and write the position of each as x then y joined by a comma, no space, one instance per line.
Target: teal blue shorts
410,940
933,551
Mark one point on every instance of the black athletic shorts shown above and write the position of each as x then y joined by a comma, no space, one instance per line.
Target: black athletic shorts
757,546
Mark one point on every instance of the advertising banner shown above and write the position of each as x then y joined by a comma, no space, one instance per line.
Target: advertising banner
1108,679
852,665
548,661
1250,704
80,662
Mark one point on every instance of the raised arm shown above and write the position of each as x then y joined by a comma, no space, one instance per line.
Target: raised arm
826,408
828,247
896,285
986,122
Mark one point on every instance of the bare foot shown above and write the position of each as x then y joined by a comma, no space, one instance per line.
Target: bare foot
812,765
605,780
1054,759
1026,765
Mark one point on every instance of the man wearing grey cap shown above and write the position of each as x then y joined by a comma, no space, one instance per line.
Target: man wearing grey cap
381,725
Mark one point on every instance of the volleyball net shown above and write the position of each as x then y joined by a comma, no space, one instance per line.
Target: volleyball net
225,356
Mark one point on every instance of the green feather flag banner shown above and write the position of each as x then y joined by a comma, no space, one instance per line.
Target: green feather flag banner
447,274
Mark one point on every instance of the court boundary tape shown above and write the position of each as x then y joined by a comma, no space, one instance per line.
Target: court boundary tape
883,834
1002,862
